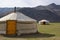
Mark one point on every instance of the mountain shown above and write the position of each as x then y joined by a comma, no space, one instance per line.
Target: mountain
5,11
50,12
54,6
40,14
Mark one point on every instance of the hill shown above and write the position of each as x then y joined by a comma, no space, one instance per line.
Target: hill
50,12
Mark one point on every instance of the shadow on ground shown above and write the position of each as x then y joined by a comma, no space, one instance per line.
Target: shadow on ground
37,35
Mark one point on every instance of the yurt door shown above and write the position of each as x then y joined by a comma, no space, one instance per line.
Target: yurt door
11,27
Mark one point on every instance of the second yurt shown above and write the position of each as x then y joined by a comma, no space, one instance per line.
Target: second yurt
44,22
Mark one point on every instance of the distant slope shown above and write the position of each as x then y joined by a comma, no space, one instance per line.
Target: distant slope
40,14
5,11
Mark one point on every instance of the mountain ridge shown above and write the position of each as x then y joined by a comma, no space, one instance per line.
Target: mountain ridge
50,12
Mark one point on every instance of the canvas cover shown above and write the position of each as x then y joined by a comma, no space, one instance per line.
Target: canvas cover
16,16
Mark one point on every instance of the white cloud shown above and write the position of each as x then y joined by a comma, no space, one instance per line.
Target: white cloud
26,3
12,3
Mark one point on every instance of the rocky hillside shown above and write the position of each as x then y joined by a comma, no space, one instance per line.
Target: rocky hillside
50,12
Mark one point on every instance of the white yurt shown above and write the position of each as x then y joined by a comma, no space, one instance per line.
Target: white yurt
44,22
17,23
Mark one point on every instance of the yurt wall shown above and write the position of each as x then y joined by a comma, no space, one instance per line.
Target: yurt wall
26,27
2,27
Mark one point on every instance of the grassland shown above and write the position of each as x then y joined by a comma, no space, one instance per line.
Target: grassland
46,32
53,28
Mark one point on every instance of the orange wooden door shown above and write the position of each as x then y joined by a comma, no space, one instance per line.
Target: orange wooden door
11,27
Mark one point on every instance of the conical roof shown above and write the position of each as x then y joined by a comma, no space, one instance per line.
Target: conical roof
43,21
16,16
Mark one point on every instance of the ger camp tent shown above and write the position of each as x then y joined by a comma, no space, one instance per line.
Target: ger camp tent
44,22
17,23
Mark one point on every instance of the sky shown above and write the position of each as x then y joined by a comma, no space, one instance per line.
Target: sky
26,3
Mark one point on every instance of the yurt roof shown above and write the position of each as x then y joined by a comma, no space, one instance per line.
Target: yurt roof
44,21
16,16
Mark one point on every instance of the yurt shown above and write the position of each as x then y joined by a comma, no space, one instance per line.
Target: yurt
44,22
17,23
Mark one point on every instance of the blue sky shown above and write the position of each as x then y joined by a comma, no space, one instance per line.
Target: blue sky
26,3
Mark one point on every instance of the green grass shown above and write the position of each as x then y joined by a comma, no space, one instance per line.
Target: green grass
53,28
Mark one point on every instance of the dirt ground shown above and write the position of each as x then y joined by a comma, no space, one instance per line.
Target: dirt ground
30,37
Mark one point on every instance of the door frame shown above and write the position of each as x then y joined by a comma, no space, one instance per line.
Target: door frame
7,26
